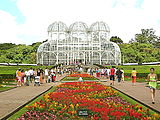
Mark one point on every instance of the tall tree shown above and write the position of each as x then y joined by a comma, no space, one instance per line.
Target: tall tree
116,40
146,36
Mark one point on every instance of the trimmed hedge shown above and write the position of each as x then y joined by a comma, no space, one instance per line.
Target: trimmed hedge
141,75
8,77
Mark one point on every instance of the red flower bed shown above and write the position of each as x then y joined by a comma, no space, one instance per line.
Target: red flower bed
80,75
102,103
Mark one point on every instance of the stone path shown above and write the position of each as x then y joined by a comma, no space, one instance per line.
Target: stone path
12,99
140,92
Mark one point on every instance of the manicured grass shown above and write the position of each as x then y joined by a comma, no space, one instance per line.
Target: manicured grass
23,110
127,69
140,68
12,69
5,88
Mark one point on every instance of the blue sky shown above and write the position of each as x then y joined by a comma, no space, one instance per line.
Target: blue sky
10,6
26,21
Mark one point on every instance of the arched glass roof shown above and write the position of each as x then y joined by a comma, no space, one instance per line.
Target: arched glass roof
78,26
57,27
42,46
100,26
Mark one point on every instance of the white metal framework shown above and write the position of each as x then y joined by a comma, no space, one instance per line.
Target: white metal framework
78,44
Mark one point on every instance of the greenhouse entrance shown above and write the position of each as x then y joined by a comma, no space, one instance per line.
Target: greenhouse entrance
78,43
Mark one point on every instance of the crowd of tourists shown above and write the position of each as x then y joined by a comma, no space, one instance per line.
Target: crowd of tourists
111,74
114,74
40,76
37,76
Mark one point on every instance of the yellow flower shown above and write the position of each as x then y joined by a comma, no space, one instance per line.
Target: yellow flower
156,115
26,106
72,106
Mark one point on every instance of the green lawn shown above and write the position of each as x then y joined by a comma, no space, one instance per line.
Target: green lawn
12,69
141,68
127,69
5,88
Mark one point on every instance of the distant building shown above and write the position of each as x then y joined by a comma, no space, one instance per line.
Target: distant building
78,44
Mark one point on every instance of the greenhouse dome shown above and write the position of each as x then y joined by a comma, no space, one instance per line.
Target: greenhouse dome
78,43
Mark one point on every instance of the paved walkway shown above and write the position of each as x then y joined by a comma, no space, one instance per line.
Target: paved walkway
139,92
12,99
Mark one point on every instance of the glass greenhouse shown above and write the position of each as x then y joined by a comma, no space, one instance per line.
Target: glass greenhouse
78,44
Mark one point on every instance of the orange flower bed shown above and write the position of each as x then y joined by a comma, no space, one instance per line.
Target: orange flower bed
81,75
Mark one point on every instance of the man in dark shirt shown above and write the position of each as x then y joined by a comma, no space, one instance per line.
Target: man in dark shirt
119,75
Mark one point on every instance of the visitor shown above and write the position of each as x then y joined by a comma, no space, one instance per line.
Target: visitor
152,78
34,74
80,70
105,72
22,77
41,76
37,77
49,76
134,76
27,73
122,74
19,69
112,75
61,72
102,71
91,71
119,75
97,73
46,74
108,73
38,74
31,72
53,76
18,76
88,71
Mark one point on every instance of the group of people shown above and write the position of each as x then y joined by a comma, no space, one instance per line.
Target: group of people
112,74
117,73
38,76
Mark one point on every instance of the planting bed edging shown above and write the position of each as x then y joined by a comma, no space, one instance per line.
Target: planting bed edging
20,107
137,100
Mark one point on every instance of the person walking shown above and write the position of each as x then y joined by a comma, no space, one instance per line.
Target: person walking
112,75
46,74
22,77
41,76
31,73
134,76
91,71
122,74
119,75
152,78
27,73
18,75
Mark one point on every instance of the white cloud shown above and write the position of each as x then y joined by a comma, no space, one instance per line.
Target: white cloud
121,15
8,28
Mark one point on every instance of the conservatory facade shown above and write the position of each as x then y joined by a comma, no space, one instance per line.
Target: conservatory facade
78,43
